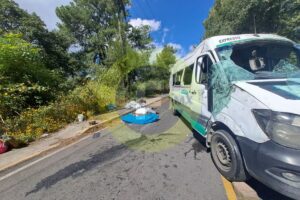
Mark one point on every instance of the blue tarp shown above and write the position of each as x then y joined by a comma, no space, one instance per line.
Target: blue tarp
143,119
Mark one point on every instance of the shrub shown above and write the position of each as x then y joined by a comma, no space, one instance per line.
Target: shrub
151,87
31,124
25,81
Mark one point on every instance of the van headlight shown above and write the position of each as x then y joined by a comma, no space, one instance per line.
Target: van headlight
282,128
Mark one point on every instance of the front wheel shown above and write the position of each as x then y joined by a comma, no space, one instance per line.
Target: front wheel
227,157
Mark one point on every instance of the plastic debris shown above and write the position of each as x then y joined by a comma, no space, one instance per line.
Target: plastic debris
140,119
3,147
111,107
144,111
133,105
45,135
80,118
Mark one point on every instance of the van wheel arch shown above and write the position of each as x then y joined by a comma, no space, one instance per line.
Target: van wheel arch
219,126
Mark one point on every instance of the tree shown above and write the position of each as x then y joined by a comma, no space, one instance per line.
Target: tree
25,81
139,37
237,17
53,45
166,57
97,25
92,23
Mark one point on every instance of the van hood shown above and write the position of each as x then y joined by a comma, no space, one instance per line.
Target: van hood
278,95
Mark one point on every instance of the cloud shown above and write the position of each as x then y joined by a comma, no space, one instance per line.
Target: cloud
176,46
159,47
180,50
44,9
138,22
165,32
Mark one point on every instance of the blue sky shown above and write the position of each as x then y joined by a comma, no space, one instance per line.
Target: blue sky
180,20
175,22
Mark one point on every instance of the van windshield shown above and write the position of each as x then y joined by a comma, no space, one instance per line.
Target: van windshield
264,59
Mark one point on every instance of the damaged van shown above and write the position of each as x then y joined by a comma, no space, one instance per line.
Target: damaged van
242,94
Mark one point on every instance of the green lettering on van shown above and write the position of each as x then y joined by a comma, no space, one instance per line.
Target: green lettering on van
184,91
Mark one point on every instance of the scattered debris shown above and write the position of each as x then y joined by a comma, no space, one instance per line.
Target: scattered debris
140,119
133,105
80,118
3,147
144,111
45,135
111,107
91,123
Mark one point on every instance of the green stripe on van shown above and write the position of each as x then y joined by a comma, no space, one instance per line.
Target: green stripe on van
186,113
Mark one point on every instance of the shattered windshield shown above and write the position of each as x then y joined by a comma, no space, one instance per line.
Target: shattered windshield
264,59
252,61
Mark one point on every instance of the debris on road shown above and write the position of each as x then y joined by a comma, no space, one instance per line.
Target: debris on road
91,123
44,135
3,147
140,119
141,115
80,118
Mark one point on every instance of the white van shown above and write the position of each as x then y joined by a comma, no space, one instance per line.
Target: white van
242,94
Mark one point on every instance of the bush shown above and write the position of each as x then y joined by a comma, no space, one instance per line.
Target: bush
89,100
151,87
25,81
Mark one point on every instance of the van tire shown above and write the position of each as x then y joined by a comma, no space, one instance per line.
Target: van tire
226,156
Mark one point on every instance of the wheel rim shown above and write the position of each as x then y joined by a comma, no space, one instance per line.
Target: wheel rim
223,155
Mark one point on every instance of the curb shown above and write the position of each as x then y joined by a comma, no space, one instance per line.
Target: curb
244,191
73,139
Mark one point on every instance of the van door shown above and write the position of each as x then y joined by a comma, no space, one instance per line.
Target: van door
200,105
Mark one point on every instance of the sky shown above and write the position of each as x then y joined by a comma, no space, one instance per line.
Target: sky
178,23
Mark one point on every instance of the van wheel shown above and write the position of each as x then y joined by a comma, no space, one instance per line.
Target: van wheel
227,157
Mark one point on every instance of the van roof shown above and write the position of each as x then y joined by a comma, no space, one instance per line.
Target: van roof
219,41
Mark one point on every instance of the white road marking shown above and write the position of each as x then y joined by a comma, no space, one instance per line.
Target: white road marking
45,157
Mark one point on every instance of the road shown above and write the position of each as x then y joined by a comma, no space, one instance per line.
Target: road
154,162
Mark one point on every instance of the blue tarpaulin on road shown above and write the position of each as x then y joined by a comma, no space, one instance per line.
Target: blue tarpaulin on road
142,119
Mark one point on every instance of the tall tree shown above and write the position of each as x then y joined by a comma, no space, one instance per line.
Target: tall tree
237,17
166,57
16,20
92,23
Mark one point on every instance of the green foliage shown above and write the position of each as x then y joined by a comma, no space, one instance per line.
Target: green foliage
151,87
35,95
237,17
92,23
25,82
139,37
166,58
32,123
53,46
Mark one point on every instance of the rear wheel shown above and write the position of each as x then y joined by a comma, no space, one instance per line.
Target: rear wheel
227,157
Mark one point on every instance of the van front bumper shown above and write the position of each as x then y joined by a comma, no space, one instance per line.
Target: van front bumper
274,165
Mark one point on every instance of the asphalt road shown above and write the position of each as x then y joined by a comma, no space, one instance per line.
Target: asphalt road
160,161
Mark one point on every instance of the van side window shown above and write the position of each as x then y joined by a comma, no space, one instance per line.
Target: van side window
205,65
177,78
188,72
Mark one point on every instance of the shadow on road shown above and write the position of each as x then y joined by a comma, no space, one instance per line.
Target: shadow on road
78,168
264,192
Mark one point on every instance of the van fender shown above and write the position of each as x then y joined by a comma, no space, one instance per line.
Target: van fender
224,122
